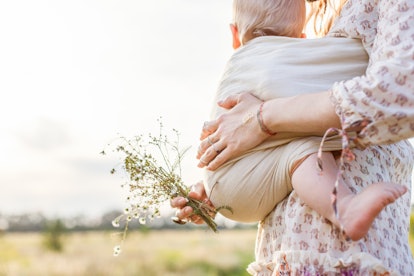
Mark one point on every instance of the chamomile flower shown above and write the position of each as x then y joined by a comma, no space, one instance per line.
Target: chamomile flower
153,169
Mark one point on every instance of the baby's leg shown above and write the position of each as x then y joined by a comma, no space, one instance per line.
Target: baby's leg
356,211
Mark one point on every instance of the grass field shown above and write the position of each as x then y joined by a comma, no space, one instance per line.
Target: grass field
166,252
197,252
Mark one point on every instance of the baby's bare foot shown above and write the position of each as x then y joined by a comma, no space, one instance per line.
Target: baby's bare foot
357,212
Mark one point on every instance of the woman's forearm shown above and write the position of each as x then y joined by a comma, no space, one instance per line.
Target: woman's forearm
310,114
241,128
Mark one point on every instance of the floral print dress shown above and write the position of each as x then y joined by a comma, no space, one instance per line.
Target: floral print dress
295,240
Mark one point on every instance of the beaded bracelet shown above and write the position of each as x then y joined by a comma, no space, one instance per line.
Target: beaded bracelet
261,123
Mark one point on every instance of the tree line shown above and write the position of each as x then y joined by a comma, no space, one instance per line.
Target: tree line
38,222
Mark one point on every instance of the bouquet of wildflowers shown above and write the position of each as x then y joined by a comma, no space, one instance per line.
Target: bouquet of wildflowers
153,168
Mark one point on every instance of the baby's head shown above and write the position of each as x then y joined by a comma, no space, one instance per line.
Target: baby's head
254,18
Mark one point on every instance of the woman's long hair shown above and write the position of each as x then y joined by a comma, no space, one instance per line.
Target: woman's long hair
322,14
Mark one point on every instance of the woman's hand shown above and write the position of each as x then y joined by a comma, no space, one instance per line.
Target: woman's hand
238,130
232,133
185,213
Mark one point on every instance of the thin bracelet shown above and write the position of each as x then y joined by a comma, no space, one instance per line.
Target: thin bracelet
261,123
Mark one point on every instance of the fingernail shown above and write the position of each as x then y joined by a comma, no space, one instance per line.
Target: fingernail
187,211
183,201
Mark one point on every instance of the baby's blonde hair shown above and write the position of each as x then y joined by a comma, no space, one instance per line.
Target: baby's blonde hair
255,18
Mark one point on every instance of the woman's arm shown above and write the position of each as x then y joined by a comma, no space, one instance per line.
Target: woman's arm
238,130
311,114
384,97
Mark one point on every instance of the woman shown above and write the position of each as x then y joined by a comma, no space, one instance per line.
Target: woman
380,107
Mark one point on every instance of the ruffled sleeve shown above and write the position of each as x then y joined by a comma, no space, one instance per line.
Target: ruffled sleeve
381,102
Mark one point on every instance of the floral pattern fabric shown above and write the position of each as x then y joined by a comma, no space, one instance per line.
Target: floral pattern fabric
295,240
384,96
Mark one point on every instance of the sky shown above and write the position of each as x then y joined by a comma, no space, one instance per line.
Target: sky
74,75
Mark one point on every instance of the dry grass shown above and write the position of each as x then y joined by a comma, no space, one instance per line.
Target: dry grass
196,252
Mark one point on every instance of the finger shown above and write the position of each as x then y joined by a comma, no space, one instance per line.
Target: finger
210,154
184,213
199,151
216,148
206,144
219,160
207,157
230,101
208,128
197,191
214,145
197,220
178,202
202,148
202,163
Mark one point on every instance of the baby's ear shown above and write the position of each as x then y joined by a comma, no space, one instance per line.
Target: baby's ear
235,36
303,35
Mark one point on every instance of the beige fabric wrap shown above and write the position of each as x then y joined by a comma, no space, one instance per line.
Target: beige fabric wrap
272,67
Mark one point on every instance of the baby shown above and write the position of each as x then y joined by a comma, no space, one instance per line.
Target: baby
273,60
